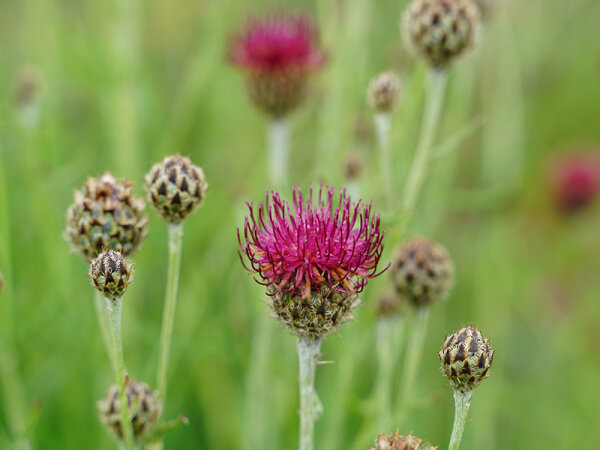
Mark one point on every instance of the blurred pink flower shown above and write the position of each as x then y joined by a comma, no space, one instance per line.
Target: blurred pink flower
277,43
576,179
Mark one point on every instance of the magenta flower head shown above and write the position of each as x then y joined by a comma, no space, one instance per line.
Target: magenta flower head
314,257
277,52
576,181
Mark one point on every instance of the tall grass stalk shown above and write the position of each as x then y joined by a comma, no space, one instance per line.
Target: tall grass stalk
385,369
462,401
418,171
175,234
310,406
114,308
382,128
411,360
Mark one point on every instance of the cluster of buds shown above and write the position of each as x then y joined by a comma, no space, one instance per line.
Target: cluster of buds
111,274
422,272
466,358
106,215
314,258
440,31
176,187
383,92
401,442
277,53
144,409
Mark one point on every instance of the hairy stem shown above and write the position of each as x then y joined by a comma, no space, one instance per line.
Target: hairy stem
166,332
420,164
278,156
114,308
462,401
310,407
101,314
382,126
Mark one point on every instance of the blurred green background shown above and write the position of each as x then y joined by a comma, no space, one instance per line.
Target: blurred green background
118,84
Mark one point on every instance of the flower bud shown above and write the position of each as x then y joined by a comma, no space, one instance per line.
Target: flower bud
383,92
401,442
422,272
111,274
144,409
353,165
388,304
106,215
466,358
176,187
439,31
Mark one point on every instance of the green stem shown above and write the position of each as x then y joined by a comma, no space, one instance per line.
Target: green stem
385,370
100,304
418,170
310,408
114,308
278,157
412,358
382,127
462,401
175,243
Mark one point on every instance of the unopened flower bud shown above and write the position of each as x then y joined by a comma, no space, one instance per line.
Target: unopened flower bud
353,165
388,304
401,442
466,358
439,31
422,272
144,409
106,215
176,187
111,274
383,92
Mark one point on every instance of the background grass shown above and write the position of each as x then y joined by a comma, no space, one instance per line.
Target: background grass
126,82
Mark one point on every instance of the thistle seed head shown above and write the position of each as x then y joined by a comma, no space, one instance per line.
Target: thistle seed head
111,274
401,442
383,92
144,409
106,215
176,187
440,31
422,272
466,358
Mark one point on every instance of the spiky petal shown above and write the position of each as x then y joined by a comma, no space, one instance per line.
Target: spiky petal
314,245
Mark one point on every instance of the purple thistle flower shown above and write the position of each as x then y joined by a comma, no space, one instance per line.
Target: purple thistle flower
277,43
314,247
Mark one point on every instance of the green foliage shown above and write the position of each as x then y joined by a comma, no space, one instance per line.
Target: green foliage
123,84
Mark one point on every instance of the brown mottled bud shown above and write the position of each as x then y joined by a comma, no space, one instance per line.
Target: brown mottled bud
176,187
388,304
401,442
422,272
466,358
317,315
144,409
106,215
111,274
383,92
439,31
353,165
